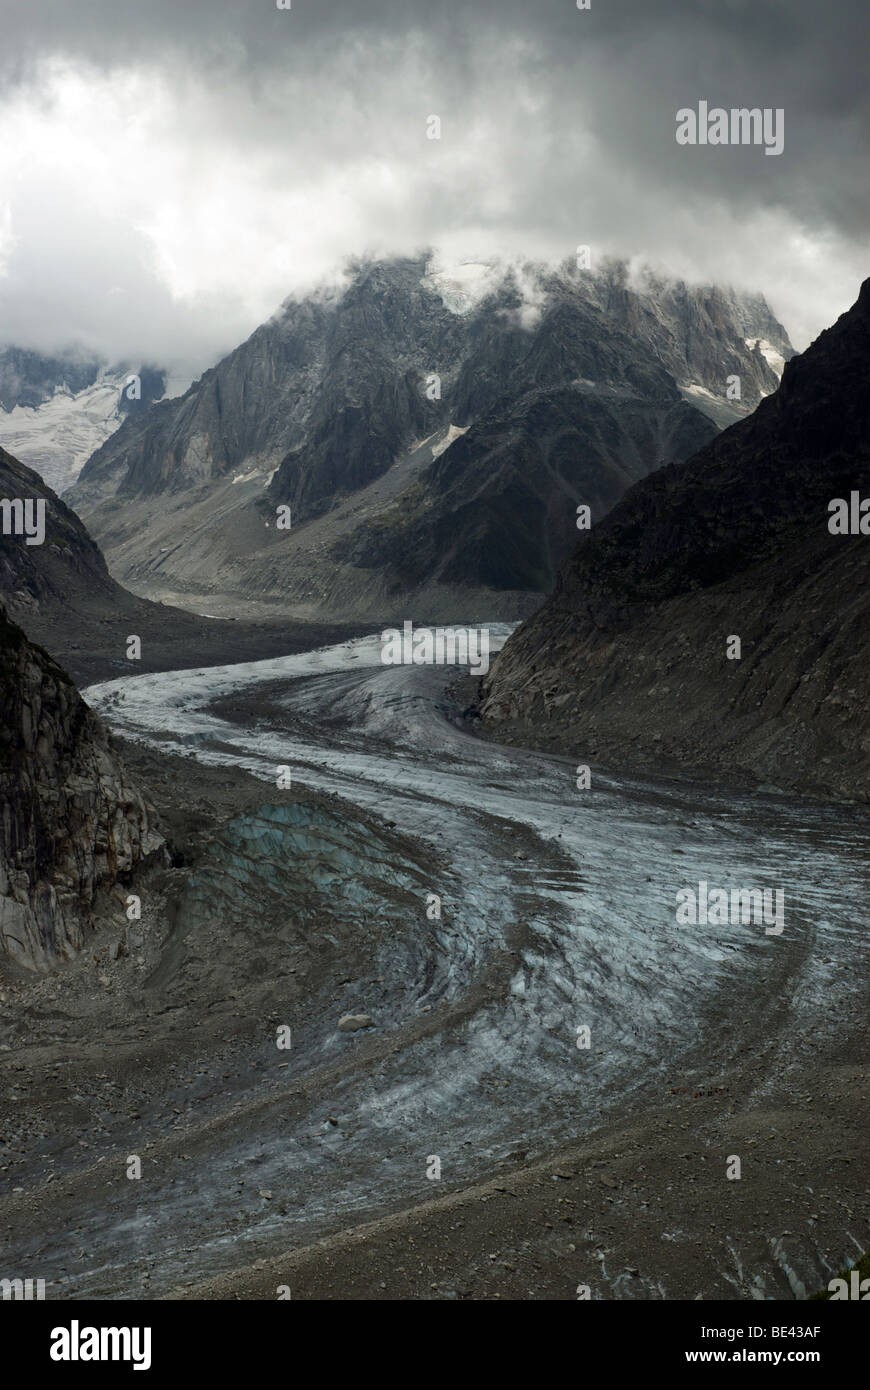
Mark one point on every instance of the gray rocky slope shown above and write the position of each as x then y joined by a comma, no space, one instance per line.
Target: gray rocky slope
62,595
627,661
72,827
556,388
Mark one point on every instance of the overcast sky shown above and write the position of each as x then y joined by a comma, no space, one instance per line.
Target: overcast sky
170,171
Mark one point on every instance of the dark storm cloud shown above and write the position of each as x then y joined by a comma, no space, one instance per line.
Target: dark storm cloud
808,57
558,128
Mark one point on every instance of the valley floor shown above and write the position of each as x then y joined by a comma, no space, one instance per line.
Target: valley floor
560,1166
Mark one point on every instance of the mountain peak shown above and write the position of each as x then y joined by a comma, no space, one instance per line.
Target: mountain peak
432,427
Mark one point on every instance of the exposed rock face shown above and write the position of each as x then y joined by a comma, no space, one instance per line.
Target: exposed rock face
60,592
498,508
555,388
67,565
628,659
72,825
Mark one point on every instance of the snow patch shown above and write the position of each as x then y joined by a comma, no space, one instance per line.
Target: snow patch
695,389
461,286
57,438
772,357
453,433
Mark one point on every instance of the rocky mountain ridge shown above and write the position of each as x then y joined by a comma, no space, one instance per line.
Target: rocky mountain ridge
629,659
431,437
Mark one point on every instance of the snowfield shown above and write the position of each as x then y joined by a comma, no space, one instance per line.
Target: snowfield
57,438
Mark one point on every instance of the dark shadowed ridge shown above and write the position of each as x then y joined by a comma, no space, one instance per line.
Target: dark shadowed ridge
628,658
62,595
